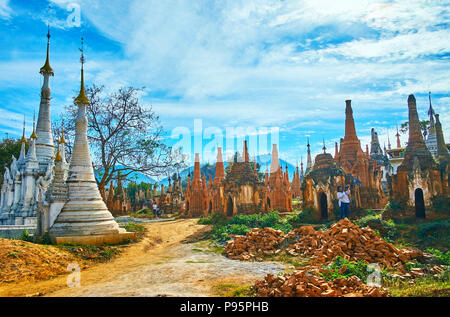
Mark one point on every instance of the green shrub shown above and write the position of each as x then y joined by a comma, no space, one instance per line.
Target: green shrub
386,229
205,221
218,219
26,236
220,233
441,204
239,229
435,232
341,268
443,258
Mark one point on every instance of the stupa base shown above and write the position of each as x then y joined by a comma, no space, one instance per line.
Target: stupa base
112,238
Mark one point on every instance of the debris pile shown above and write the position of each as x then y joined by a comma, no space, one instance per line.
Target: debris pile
351,242
302,283
343,239
258,242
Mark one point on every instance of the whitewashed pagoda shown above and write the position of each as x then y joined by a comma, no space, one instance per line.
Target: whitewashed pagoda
84,217
26,180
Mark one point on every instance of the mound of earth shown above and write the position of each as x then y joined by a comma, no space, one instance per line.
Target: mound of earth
20,260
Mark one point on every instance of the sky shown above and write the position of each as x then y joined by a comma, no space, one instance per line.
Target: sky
249,65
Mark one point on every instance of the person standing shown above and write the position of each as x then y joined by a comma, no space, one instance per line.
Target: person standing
155,209
344,201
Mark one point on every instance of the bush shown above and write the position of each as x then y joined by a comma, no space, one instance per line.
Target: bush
26,236
218,219
435,233
205,221
386,229
441,204
341,268
239,229
443,258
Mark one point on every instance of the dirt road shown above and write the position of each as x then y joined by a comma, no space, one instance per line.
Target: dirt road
167,262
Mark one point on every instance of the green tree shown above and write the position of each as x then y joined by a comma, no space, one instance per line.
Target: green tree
124,135
8,148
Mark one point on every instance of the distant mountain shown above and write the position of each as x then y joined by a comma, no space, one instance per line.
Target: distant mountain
132,177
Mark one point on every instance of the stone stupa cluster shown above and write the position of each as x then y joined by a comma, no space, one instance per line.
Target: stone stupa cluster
62,199
40,188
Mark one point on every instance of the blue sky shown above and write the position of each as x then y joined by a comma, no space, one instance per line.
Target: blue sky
240,63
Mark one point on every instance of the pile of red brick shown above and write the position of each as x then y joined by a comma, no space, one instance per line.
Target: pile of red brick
343,239
258,242
351,242
304,284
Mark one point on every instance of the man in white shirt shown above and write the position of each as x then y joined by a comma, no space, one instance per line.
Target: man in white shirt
344,201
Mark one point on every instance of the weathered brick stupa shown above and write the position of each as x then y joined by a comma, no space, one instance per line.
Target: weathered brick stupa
360,165
196,201
279,195
419,179
84,218
320,187
243,190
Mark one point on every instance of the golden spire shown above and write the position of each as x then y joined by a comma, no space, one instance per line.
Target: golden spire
58,157
33,135
62,140
82,99
23,139
47,69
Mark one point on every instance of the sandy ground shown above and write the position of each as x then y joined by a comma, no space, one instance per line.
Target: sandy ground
167,262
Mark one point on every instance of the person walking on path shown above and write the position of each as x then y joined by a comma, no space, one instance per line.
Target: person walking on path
344,201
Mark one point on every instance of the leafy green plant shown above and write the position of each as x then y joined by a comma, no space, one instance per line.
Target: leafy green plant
341,268
443,258
435,232
205,221
26,236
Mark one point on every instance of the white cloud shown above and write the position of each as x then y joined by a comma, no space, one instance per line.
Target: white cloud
5,10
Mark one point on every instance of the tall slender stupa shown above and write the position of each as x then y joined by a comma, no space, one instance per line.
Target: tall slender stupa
84,217
45,149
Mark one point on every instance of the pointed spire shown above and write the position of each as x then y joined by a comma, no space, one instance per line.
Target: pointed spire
308,159
389,141
33,135
246,158
82,99
431,112
23,139
58,157
442,151
350,131
62,140
301,166
399,144
274,164
324,147
46,69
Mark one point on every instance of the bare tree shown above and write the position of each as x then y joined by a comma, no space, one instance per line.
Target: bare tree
124,136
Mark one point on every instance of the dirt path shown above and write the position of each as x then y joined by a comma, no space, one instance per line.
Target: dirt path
167,262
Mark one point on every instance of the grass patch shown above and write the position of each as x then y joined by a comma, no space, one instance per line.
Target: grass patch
422,287
233,290
138,228
100,254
